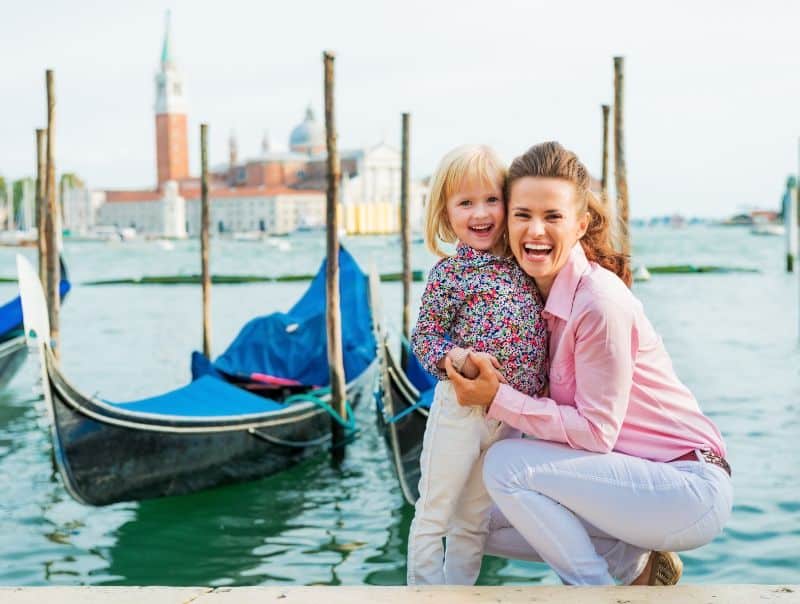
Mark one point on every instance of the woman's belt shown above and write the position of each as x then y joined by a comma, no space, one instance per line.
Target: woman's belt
708,456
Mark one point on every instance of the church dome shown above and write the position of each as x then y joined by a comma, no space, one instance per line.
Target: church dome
309,136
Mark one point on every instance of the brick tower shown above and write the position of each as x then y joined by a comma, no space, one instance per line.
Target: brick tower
172,147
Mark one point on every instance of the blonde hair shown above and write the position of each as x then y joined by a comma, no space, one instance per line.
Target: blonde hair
465,163
551,160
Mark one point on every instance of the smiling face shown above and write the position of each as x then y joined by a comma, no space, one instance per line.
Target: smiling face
476,213
544,224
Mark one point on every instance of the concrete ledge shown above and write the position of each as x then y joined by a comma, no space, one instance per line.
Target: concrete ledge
700,594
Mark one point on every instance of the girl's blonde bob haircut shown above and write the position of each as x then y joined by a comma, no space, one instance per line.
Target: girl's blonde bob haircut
464,164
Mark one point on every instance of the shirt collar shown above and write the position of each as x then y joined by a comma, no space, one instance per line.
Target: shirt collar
472,257
562,292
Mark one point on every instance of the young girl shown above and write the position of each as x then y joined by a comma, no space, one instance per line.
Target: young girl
477,301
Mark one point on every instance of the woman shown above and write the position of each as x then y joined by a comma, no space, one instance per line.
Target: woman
620,448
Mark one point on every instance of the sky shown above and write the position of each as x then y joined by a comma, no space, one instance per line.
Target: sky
712,88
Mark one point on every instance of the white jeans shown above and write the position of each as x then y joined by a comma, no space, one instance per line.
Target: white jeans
625,561
575,507
453,502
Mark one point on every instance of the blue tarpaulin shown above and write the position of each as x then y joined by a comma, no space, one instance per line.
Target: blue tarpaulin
420,378
11,313
289,345
205,397
293,345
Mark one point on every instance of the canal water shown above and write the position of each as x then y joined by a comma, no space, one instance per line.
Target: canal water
733,339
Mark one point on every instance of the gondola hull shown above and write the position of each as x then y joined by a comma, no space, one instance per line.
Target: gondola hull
215,430
105,457
12,356
402,428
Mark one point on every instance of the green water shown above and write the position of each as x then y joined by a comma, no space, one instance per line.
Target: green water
733,339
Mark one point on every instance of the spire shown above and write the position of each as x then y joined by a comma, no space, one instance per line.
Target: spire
265,146
169,82
233,158
166,50
309,113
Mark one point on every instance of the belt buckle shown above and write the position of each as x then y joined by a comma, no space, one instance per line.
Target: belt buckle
716,460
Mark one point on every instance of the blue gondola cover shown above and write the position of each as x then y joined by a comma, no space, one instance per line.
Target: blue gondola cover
293,345
205,397
417,374
11,313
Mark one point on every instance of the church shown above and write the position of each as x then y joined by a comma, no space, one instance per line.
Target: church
274,192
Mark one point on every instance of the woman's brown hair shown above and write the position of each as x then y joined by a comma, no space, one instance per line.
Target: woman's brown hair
551,160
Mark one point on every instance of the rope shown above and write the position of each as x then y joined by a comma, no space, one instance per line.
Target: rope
404,412
349,425
297,444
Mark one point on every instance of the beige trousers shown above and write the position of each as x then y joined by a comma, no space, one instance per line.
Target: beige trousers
453,503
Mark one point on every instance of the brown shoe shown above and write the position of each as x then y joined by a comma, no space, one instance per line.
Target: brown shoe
667,569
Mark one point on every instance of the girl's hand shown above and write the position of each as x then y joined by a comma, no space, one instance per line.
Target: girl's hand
493,359
469,369
481,390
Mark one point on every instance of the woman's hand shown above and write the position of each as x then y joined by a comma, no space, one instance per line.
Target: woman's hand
481,390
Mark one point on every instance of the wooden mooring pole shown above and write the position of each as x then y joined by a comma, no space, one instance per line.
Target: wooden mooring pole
41,179
790,223
604,182
791,200
334,318
405,233
204,240
51,220
620,171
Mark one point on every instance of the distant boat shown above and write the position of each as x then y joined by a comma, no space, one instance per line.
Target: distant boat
768,228
640,273
279,242
13,349
248,236
18,238
105,233
258,409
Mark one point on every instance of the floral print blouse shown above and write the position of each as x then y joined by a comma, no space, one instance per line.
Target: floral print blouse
481,301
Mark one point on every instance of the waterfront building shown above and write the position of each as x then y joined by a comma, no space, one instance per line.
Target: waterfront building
19,211
77,213
274,192
270,210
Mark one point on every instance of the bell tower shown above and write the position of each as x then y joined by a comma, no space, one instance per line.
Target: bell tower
172,146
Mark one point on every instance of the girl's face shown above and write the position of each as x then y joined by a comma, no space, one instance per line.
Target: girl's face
543,226
476,213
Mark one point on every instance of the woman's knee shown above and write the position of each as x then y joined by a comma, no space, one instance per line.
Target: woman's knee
499,466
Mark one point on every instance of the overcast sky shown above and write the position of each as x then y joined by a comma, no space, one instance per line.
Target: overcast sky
712,88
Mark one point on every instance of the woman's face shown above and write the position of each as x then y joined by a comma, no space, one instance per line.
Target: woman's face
543,226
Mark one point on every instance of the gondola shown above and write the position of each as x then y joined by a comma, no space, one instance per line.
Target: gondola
258,409
13,350
405,397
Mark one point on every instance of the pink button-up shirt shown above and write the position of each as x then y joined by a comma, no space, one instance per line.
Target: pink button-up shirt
612,385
